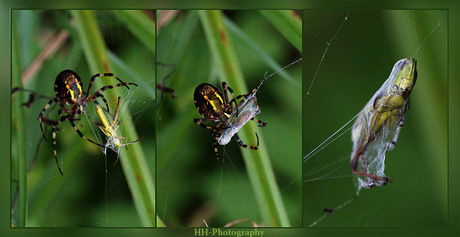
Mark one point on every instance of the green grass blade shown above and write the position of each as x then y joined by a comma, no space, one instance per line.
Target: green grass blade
288,24
257,51
19,151
139,24
257,163
133,160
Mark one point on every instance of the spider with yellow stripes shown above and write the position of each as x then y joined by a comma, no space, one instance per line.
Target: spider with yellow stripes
68,91
215,107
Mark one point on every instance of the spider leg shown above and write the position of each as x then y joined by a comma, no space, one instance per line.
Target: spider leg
166,90
161,86
261,123
103,75
40,116
98,93
214,145
54,140
54,147
200,120
103,99
76,129
225,87
238,97
33,96
244,145
216,132
253,91
81,134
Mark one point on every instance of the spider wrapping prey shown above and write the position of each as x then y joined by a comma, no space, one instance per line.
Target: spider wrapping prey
230,116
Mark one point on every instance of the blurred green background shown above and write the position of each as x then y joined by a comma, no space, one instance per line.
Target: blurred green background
191,184
92,192
357,62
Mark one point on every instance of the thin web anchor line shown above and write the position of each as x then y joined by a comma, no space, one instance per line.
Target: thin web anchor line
290,64
331,211
423,42
331,136
325,52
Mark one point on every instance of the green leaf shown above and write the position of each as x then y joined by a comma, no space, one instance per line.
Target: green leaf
19,151
258,163
287,23
139,24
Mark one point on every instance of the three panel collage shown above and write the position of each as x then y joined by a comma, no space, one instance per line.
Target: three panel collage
229,118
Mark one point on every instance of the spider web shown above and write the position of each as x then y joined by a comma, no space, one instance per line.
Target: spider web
352,53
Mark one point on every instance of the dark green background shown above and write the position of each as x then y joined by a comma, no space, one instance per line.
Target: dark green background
451,229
